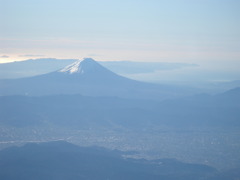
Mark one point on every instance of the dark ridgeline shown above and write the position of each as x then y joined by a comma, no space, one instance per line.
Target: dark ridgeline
60,161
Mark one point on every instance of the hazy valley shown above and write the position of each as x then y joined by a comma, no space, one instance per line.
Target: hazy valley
88,105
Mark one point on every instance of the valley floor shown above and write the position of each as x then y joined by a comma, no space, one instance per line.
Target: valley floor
219,148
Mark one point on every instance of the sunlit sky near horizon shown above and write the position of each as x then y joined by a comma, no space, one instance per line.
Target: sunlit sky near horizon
193,31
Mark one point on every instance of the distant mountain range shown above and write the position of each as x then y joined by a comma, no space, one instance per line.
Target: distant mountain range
222,110
88,78
61,160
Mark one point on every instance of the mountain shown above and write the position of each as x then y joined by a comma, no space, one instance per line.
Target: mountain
88,67
89,71
61,160
87,78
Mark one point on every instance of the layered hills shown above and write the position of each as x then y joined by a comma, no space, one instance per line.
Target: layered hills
222,110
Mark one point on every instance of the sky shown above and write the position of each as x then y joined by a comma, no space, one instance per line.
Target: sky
205,32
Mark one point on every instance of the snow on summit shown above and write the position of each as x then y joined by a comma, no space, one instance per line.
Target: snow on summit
86,66
73,68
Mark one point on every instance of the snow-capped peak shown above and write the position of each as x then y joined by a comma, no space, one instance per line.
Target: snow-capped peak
73,68
86,66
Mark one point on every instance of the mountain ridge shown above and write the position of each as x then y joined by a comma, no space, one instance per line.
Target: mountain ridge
77,111
62,160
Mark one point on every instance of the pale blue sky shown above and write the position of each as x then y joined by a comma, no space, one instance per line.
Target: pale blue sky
195,31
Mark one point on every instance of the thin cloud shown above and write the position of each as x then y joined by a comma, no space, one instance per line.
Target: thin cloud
31,55
4,56
95,55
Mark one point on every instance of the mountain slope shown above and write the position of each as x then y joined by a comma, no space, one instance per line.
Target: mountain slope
32,67
87,78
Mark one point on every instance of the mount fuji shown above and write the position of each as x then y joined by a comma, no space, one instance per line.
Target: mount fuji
86,77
